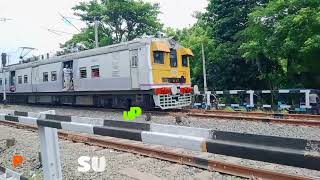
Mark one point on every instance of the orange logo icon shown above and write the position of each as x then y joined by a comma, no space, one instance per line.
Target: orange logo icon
17,160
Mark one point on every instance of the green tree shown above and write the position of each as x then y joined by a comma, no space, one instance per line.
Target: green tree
223,21
287,32
120,20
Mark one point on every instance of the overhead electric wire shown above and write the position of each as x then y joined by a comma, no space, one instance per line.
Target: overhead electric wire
69,22
57,32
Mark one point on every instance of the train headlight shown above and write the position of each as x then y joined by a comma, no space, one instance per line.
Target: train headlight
164,90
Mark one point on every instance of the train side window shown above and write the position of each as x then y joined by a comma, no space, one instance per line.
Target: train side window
45,77
134,61
173,58
83,72
19,79
158,57
0,81
95,71
185,61
53,75
25,79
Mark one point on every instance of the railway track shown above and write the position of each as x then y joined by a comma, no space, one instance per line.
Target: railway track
292,119
297,119
262,114
170,154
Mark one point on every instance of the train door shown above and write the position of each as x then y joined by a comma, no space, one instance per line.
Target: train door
35,78
12,81
67,76
134,65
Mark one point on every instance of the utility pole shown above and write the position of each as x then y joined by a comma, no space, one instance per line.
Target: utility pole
4,61
206,92
204,70
5,19
96,23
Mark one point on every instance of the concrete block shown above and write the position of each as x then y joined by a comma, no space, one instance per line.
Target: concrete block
77,127
181,130
86,120
180,141
123,133
28,120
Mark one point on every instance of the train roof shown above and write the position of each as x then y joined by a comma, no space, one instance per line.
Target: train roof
92,52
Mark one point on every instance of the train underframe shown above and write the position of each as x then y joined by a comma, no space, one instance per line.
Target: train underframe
113,100
117,100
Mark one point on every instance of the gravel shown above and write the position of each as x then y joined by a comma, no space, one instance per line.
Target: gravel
119,165
261,128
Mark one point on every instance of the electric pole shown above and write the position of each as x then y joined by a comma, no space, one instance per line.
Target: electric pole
5,19
4,61
204,70
96,23
206,92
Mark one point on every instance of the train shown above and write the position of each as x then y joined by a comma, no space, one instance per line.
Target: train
146,72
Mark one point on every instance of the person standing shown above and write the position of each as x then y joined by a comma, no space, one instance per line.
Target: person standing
67,77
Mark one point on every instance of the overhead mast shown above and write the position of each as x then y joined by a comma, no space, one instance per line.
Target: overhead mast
5,19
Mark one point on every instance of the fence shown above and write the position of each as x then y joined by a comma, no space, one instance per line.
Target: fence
287,151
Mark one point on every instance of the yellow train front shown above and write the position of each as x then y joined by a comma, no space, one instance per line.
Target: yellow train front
171,74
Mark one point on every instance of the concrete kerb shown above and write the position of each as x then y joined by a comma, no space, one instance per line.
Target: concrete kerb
181,130
180,141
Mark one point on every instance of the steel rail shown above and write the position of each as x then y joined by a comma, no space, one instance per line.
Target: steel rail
172,155
260,114
262,119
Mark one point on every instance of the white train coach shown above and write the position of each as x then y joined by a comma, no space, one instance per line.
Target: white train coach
148,72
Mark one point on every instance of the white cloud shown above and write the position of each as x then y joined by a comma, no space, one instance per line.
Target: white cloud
32,17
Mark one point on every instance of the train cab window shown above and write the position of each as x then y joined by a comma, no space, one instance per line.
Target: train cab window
19,79
158,57
45,77
185,61
173,58
53,75
83,72
25,79
95,71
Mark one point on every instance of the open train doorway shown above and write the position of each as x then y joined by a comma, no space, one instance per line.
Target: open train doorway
12,81
67,76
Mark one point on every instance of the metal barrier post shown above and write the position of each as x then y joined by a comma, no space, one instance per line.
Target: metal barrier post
251,98
50,155
307,98
208,103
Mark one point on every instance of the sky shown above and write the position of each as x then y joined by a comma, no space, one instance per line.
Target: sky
31,20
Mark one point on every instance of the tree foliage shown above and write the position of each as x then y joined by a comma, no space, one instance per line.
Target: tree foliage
119,20
224,20
287,32
249,44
